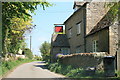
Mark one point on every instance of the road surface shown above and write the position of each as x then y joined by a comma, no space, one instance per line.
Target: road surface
33,70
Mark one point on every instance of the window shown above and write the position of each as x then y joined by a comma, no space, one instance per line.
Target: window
65,51
95,46
79,28
70,33
78,50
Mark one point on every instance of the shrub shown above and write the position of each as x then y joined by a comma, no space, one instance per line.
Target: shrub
20,59
72,72
53,67
28,53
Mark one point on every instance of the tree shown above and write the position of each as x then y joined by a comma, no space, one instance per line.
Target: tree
15,36
12,14
28,53
114,10
45,50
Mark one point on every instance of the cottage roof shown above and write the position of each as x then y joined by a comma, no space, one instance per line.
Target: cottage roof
59,40
105,22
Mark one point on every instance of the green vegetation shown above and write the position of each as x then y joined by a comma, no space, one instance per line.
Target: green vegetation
118,73
45,50
114,10
28,53
72,72
6,66
37,57
16,21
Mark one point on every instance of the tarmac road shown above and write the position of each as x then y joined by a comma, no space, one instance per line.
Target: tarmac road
33,70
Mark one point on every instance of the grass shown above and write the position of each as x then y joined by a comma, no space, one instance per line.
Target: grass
118,73
6,66
72,72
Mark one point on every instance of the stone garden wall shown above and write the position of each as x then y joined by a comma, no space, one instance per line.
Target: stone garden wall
84,60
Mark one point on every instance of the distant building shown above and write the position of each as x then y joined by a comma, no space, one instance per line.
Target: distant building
59,44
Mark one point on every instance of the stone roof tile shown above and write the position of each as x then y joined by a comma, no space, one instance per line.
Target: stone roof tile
60,40
103,23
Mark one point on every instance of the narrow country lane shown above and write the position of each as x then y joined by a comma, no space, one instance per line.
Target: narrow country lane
33,70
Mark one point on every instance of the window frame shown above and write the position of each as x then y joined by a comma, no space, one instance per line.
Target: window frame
95,45
79,27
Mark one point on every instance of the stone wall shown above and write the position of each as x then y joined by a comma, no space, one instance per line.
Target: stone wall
94,13
118,54
76,40
103,41
83,60
113,39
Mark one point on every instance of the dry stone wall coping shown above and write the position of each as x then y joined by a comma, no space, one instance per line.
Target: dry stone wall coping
97,54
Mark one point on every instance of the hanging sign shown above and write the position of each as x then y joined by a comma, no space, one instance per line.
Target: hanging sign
58,28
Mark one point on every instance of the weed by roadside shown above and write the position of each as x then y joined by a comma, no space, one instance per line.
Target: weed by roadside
6,66
72,72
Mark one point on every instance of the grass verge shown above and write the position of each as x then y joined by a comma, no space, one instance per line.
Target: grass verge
7,66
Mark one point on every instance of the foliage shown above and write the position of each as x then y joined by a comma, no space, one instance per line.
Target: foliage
9,65
45,50
114,10
72,72
28,53
37,57
16,20
118,73
15,37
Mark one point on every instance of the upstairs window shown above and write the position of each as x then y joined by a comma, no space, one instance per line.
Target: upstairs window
78,28
95,46
70,33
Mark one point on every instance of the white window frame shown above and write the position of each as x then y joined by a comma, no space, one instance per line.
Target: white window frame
70,33
95,45
79,28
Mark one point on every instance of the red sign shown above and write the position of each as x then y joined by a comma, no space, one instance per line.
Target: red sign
58,28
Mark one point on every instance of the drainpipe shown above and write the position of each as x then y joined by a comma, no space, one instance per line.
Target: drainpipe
84,21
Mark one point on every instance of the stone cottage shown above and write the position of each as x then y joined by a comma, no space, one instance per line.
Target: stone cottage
88,30
59,44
